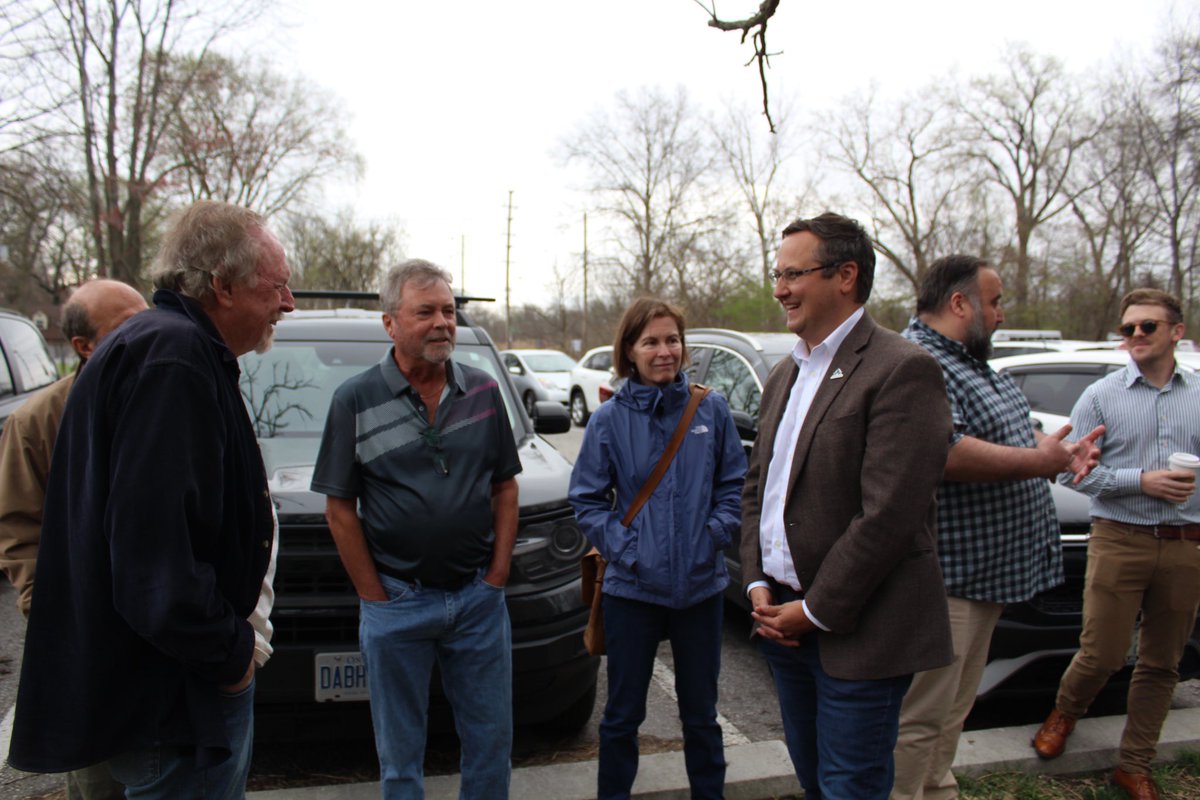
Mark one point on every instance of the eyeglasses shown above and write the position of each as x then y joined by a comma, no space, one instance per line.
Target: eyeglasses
433,437
790,276
1148,326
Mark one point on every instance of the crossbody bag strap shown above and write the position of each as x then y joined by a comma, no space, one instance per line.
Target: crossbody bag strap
699,392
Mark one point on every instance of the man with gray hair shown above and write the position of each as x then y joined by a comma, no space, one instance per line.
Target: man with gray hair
94,310
158,531
418,463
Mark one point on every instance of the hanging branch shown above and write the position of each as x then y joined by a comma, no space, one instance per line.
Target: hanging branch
756,25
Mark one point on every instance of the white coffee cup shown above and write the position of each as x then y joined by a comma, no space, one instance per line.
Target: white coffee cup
1185,462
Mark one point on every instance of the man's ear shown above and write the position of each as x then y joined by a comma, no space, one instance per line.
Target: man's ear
848,278
84,346
222,291
959,304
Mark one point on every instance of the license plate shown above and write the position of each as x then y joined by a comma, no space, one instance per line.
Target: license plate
339,677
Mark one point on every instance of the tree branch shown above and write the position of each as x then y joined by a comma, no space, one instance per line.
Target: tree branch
755,26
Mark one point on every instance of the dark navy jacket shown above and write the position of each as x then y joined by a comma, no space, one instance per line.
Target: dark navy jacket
156,537
672,553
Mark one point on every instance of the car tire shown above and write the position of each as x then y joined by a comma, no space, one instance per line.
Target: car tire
530,402
572,719
579,409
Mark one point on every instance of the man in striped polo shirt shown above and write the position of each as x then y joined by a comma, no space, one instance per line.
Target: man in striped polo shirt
419,466
1142,554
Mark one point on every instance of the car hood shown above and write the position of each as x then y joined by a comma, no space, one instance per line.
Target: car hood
290,460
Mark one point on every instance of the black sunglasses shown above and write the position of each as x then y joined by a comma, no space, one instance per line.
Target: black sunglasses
433,438
1148,326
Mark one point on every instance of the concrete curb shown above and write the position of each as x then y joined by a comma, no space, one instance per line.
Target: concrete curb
762,770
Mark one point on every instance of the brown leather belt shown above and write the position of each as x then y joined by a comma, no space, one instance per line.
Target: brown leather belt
1190,531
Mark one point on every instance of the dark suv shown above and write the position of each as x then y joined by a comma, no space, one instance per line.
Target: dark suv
316,664
1033,641
25,362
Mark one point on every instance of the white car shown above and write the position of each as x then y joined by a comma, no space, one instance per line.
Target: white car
540,375
589,382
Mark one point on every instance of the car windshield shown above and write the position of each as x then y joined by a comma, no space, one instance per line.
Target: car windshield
287,390
549,362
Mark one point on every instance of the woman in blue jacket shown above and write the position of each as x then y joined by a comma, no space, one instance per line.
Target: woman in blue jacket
666,571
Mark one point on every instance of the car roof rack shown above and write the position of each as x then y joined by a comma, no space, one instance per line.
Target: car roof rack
744,337
349,294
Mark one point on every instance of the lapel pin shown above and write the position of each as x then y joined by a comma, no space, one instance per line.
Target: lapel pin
837,373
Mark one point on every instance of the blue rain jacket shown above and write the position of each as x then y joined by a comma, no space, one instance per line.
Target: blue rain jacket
672,552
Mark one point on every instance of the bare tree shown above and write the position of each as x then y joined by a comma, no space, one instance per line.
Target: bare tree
244,134
1025,130
110,58
756,166
338,252
1168,111
646,160
905,159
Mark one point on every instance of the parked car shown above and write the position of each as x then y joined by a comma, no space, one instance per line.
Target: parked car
540,375
589,380
317,667
25,362
1033,641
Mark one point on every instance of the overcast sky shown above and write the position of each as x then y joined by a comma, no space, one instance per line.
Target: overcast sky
455,102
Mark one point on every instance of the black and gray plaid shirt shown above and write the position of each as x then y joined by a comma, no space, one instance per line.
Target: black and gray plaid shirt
998,541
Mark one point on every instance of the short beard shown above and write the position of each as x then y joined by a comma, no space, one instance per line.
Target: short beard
978,341
268,339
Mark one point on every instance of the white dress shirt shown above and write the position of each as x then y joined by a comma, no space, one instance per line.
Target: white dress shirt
772,533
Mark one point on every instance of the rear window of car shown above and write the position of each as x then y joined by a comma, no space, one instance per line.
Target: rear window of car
29,363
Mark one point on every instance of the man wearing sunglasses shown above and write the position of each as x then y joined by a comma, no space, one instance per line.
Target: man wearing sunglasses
419,466
1143,554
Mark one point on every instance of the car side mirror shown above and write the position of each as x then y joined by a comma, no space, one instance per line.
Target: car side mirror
515,369
550,417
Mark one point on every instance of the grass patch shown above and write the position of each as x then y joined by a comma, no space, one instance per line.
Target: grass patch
1177,780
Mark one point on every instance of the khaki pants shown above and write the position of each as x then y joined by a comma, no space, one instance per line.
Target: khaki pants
938,702
1128,572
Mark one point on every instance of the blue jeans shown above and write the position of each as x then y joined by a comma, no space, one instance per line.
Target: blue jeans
632,631
840,734
169,771
467,631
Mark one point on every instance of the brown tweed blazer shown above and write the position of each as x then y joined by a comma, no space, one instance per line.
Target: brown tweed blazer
860,512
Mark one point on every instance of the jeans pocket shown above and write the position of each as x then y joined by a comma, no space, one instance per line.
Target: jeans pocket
137,767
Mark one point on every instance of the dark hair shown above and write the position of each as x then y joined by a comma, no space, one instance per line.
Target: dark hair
76,322
1154,297
842,240
635,319
946,276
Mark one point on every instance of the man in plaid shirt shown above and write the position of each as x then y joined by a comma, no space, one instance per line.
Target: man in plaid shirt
998,537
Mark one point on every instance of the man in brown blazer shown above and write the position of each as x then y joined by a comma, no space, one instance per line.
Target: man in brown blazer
838,525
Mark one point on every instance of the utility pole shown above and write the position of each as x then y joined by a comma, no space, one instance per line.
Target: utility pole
585,276
507,276
462,260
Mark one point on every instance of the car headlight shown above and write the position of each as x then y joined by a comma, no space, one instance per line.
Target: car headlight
546,550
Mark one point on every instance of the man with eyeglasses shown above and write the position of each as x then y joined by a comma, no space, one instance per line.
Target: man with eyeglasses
838,516
419,464
998,535
1144,549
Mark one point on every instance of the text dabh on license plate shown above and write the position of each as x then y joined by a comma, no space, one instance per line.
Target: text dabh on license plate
339,677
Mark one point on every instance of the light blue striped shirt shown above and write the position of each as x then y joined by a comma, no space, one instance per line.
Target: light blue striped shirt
1143,426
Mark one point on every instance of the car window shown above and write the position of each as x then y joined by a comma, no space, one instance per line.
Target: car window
28,361
602,361
550,362
288,389
1054,392
6,384
732,376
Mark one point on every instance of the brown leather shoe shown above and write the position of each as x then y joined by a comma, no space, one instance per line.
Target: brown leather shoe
1135,784
1051,738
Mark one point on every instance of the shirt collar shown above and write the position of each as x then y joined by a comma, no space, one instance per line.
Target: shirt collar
831,343
397,383
1133,373
938,341
173,301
